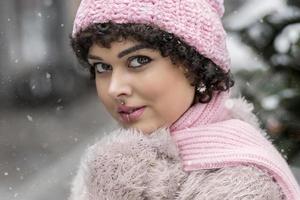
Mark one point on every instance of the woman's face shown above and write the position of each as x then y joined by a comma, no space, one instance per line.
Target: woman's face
155,91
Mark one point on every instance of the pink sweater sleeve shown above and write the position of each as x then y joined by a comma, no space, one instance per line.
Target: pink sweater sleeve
231,183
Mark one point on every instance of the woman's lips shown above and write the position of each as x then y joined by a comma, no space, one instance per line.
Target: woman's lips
131,115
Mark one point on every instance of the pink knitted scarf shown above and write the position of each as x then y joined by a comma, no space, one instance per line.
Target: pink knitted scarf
206,140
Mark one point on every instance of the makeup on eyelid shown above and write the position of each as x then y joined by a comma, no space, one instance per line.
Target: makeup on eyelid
99,66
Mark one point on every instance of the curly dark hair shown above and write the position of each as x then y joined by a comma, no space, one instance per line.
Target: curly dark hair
199,69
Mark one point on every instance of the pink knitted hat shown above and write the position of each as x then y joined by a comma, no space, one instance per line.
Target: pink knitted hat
197,22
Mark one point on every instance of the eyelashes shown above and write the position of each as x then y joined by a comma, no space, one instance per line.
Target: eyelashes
138,61
101,67
134,62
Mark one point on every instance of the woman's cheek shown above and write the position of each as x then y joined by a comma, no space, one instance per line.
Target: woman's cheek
102,91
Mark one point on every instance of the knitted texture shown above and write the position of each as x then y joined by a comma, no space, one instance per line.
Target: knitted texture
213,111
232,142
197,22
127,165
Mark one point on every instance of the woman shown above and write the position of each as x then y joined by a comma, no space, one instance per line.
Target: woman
161,69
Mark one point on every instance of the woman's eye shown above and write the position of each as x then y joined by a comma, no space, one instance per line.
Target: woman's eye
102,67
138,61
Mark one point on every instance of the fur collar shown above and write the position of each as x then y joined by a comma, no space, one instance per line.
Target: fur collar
126,164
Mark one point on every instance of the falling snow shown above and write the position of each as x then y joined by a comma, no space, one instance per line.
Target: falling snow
59,108
48,75
270,102
29,119
51,138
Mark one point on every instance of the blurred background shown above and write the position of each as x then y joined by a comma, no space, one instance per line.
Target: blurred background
49,111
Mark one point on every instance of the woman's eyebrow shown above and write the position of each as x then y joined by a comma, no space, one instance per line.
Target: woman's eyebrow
94,57
133,49
124,52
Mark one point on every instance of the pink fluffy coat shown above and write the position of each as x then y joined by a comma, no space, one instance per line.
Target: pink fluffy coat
128,165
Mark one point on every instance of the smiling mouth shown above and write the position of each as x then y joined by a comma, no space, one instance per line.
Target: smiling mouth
130,111
131,115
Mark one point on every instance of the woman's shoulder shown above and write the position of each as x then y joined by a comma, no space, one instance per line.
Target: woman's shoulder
242,111
240,108
238,182
130,163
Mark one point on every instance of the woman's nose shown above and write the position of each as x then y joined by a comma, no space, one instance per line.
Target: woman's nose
119,84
